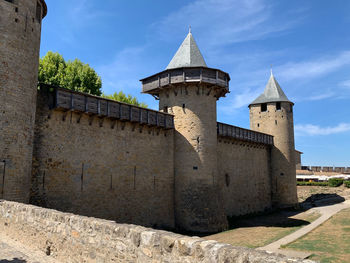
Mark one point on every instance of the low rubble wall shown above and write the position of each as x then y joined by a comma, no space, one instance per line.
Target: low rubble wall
73,238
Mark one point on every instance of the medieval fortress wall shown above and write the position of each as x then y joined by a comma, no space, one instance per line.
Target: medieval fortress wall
20,30
244,172
90,164
172,168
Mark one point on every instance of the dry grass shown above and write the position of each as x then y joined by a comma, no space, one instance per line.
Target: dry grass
330,242
261,230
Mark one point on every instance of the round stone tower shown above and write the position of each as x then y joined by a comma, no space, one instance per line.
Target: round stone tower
189,90
272,113
20,30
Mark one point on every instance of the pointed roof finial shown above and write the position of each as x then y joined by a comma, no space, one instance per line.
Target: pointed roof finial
272,92
271,69
189,30
188,54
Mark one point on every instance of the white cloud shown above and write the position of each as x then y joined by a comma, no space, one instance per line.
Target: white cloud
314,68
222,22
310,129
345,84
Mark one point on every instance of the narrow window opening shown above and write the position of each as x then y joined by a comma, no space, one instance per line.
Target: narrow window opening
263,107
258,124
227,180
16,20
183,106
165,109
276,122
282,174
195,167
10,1
291,108
38,12
278,105
16,9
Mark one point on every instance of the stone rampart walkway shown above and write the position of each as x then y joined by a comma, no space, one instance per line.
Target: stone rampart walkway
326,213
14,252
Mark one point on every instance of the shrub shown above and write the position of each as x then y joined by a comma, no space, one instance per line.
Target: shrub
312,183
335,182
347,184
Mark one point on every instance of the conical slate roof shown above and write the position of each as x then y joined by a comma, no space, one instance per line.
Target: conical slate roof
188,55
272,93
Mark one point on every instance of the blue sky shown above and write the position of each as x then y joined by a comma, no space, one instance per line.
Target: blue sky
307,42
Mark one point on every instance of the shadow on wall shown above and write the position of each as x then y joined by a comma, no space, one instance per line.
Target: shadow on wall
197,198
282,184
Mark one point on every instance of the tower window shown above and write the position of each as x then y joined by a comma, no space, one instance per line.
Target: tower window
263,107
291,108
278,105
227,180
276,122
38,12
165,109
183,106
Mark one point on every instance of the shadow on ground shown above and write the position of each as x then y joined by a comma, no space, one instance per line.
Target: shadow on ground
283,218
15,260
317,200
278,217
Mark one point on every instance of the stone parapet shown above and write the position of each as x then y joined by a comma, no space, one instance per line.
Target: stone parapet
243,134
72,238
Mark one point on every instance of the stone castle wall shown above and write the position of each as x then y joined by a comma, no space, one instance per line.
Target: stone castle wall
279,123
197,205
245,176
72,238
20,28
102,167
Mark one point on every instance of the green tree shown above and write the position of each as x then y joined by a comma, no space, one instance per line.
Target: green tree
125,98
73,75
78,76
52,69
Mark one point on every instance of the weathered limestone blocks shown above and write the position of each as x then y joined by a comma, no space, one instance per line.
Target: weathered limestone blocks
71,238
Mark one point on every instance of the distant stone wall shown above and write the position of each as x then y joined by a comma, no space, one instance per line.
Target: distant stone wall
326,169
90,164
72,238
244,174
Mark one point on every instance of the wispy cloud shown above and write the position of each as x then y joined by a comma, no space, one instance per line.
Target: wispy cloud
310,129
345,84
122,72
83,12
321,96
314,68
222,22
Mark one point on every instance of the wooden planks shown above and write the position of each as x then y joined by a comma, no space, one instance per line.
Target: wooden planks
243,134
67,100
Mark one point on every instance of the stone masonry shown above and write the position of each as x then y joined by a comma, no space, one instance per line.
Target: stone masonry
72,238
175,168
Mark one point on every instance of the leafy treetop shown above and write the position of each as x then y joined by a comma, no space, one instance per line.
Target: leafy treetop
78,76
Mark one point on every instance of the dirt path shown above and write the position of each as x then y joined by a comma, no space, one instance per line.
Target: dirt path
14,252
326,213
